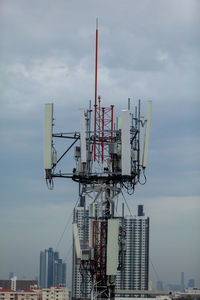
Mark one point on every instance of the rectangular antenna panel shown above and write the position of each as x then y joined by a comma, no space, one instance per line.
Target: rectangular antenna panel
76,240
91,214
141,140
119,123
146,138
126,146
112,247
48,128
83,135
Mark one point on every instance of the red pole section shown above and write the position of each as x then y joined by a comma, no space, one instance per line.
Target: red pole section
98,148
112,106
95,105
102,143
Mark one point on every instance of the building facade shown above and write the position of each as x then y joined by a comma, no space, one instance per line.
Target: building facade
182,282
17,284
52,269
191,283
55,293
7,294
134,274
59,272
81,289
27,295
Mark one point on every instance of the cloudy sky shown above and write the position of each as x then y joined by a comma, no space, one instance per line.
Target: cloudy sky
147,50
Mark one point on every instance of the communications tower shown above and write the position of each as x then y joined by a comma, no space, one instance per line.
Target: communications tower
110,157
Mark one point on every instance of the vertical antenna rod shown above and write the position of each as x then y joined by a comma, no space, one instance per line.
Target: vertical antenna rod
95,105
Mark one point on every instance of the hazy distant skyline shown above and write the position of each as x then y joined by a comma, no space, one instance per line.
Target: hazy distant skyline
148,50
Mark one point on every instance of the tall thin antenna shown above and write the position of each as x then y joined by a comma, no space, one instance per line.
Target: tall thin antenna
95,104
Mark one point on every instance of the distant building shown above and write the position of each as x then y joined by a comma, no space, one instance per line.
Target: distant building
11,274
14,283
150,285
144,298
135,271
20,284
8,294
159,285
190,293
5,284
173,287
191,283
59,273
182,282
27,295
81,289
55,293
25,284
52,269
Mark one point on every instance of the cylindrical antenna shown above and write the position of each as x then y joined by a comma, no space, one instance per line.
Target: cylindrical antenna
112,108
96,61
95,97
146,139
138,158
89,130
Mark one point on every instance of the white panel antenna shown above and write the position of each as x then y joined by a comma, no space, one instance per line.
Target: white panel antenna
118,122
112,247
91,214
83,135
141,140
125,140
48,128
146,138
76,240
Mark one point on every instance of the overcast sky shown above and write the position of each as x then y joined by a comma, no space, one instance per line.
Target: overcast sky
147,50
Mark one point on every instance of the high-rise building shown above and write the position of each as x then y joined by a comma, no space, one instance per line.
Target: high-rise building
43,269
52,269
182,282
81,287
191,283
14,283
50,259
135,270
59,272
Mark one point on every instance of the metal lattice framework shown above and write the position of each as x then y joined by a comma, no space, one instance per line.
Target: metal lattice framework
103,133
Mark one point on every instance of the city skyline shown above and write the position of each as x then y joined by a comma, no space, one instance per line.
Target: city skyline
52,269
147,50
